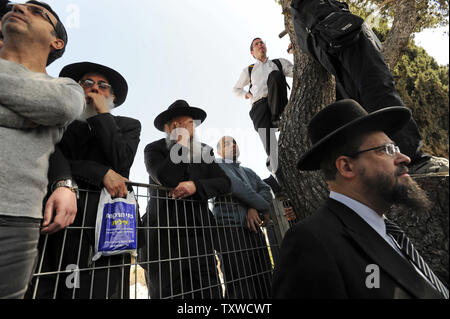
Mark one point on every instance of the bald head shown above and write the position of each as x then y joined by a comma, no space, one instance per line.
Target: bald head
227,148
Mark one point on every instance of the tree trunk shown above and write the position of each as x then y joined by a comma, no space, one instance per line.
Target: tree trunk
313,88
428,231
406,18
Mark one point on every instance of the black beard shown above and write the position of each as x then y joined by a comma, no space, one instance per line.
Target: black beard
408,194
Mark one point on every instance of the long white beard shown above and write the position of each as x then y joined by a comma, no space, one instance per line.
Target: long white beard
195,149
90,111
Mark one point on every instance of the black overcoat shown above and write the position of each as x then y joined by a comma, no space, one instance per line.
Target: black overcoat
90,148
192,231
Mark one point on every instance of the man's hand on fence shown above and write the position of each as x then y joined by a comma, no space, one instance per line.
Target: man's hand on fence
266,220
183,190
290,48
115,184
63,202
253,220
290,214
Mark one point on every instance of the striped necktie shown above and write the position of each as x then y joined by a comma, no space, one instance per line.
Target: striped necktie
408,249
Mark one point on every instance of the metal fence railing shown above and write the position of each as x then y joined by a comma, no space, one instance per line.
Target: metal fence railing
183,252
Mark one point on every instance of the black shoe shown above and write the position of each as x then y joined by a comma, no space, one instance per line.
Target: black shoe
276,124
429,164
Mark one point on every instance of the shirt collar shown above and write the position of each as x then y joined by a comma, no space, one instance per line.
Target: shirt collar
369,215
227,161
259,61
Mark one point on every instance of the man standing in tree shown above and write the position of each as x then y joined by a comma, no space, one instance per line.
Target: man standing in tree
348,49
268,95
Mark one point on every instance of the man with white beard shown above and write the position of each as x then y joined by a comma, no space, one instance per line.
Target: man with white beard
179,252
100,149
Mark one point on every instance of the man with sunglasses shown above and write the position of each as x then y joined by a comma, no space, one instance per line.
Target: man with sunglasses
349,249
34,111
100,149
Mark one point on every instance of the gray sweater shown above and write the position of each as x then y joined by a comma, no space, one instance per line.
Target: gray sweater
51,104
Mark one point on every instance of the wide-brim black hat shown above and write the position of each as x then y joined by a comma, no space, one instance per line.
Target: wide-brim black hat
119,85
176,109
347,118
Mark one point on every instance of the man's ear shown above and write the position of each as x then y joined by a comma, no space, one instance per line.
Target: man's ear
57,44
345,166
167,128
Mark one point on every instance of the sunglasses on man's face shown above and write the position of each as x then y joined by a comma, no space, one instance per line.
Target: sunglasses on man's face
102,85
34,10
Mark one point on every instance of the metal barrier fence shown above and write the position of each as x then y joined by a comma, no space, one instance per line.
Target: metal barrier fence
183,252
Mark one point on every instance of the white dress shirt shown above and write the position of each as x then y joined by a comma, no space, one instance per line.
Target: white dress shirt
369,215
260,74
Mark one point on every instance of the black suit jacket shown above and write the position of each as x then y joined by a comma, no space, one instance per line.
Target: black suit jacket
103,142
86,152
327,255
89,149
210,180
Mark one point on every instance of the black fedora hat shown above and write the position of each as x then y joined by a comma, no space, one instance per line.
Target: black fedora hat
343,118
119,85
179,108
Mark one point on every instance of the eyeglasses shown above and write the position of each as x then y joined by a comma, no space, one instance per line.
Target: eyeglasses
390,149
36,11
102,85
229,142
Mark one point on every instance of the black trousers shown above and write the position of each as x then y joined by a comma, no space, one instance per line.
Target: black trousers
367,78
266,111
245,263
363,76
180,267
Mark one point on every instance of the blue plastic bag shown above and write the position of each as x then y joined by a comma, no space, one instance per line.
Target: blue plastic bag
115,228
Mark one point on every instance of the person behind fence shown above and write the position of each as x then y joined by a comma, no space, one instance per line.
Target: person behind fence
268,94
243,250
280,194
34,111
180,261
349,248
100,148
347,48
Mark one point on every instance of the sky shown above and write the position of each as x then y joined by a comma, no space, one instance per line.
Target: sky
193,50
